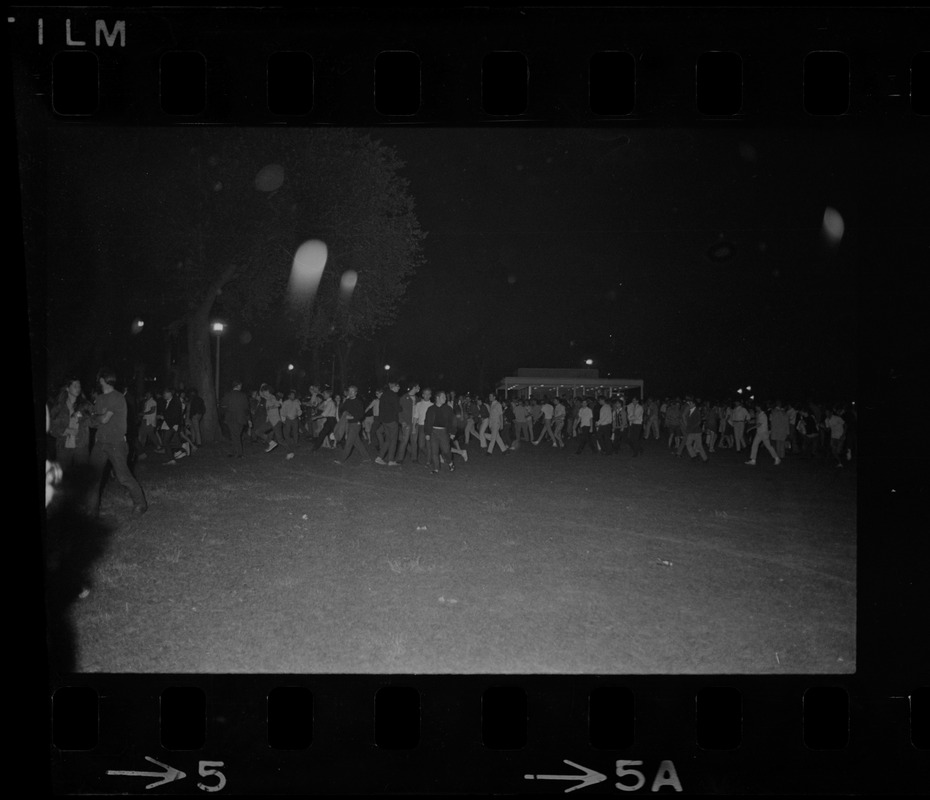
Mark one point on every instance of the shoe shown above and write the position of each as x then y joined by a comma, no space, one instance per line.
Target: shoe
393,464
180,454
777,461
271,446
451,467
337,461
289,456
140,510
751,462
840,465
172,462
435,472
186,447
159,449
465,456
536,442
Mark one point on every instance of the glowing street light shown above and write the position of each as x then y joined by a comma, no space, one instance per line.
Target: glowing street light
218,328
589,361
290,367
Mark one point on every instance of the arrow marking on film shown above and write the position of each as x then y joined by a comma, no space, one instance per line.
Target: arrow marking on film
170,774
589,778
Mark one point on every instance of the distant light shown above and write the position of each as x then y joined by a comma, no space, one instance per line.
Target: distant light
589,361
290,367
218,327
137,325
387,366
739,391
748,388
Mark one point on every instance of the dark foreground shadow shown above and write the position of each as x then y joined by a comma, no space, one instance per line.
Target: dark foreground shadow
73,542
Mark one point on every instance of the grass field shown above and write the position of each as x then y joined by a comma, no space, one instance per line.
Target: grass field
538,561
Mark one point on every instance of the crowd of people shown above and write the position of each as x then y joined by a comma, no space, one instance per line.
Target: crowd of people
417,426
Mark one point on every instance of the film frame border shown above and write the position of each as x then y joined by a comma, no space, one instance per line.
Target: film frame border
656,697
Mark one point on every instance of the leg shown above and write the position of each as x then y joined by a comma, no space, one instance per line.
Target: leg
117,455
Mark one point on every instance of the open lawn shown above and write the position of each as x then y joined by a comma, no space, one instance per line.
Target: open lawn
538,561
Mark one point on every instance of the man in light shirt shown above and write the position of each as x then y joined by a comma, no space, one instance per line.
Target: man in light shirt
328,415
558,422
762,437
605,425
585,423
547,411
634,414
419,420
738,419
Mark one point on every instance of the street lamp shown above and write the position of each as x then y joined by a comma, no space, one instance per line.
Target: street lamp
589,361
218,328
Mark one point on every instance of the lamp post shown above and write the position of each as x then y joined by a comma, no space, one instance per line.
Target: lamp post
217,328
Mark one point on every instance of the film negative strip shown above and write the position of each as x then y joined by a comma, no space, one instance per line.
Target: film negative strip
520,680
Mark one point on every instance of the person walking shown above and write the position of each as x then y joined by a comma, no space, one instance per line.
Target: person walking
353,410
652,419
407,424
762,437
389,414
419,419
634,415
273,416
835,423
197,409
439,422
328,415
605,426
558,422
235,410
711,424
110,446
291,412
738,419
495,423
780,427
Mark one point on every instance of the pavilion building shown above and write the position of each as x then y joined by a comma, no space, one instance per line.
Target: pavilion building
535,382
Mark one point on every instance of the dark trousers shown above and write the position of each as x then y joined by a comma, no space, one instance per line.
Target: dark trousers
636,439
328,424
421,445
406,429
354,441
236,430
439,442
603,437
585,438
389,440
116,454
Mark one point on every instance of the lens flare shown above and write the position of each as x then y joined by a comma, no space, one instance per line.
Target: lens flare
306,271
347,284
269,178
833,225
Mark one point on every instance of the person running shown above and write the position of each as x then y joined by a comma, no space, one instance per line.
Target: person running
389,412
692,425
328,416
353,410
495,423
172,420
235,409
547,410
291,412
585,426
762,437
110,446
438,422
558,422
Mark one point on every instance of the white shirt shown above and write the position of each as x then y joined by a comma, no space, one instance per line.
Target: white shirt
151,408
585,416
419,411
328,408
634,412
547,411
606,415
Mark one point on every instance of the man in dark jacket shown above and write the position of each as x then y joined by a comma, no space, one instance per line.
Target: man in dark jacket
389,412
440,424
234,408
355,409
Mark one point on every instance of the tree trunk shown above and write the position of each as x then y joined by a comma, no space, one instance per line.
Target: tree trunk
315,371
198,345
343,350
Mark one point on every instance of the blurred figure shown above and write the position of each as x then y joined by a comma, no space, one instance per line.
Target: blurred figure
235,410
353,411
290,415
439,421
762,437
197,409
495,423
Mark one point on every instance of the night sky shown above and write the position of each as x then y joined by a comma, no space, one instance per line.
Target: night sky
696,260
